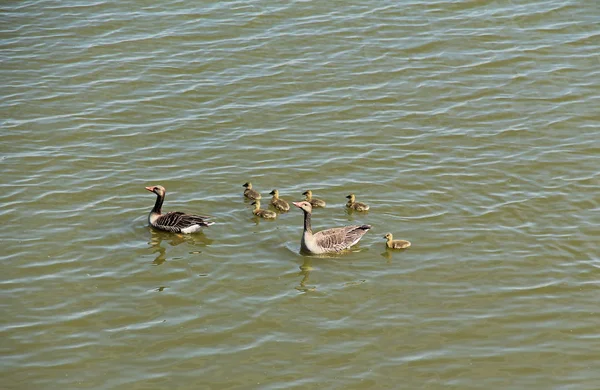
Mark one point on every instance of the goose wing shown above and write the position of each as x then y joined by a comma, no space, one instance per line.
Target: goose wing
176,221
338,239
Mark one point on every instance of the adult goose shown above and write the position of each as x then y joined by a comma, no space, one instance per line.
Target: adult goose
267,214
395,244
330,240
249,192
314,202
279,204
354,205
175,221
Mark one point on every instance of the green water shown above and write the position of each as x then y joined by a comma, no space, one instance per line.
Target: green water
470,128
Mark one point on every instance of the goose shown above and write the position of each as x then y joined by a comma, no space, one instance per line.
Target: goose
354,205
330,240
314,202
267,214
249,192
175,221
279,204
395,244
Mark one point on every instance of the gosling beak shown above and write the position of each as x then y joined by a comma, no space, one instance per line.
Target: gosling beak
272,192
252,204
348,197
305,192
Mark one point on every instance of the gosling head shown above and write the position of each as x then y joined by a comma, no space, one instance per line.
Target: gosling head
256,204
388,236
351,198
307,193
247,185
305,206
275,193
158,190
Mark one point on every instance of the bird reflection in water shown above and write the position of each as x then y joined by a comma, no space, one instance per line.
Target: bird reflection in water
305,270
156,239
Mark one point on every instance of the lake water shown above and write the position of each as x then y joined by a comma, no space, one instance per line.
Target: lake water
471,128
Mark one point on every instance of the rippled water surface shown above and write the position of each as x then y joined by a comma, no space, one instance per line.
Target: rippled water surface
470,127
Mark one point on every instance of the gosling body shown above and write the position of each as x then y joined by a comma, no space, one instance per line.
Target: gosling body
279,203
395,244
251,193
354,205
266,214
314,202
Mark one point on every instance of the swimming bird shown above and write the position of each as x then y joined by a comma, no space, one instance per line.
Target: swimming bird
267,214
175,221
249,192
395,244
279,204
354,205
330,240
314,202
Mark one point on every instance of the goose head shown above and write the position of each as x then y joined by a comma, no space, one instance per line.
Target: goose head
247,185
158,190
305,206
351,198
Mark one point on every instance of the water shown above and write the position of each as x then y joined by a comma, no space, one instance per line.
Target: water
470,128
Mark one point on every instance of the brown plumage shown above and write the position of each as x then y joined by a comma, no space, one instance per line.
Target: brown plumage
249,192
314,202
354,205
175,221
330,240
395,244
267,214
279,204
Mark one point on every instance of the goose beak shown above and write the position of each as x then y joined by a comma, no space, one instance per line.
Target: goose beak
297,204
151,189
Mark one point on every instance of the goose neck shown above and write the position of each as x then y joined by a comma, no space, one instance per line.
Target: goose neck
158,205
307,225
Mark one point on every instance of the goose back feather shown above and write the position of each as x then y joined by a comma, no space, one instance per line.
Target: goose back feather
329,240
174,221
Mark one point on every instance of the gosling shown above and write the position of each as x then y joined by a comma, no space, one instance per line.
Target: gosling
314,202
279,204
354,205
395,244
249,192
267,214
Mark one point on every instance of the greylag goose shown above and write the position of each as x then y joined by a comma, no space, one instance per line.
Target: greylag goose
279,204
175,221
249,192
330,240
267,214
395,244
314,202
354,205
